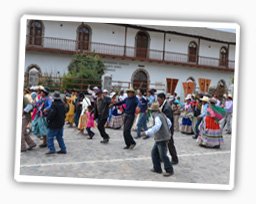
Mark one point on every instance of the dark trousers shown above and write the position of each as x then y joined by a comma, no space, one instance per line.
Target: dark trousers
128,122
90,132
172,149
199,120
158,154
101,128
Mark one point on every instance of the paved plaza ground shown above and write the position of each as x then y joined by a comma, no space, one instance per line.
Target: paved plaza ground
91,159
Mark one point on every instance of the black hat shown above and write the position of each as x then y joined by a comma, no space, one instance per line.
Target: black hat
56,95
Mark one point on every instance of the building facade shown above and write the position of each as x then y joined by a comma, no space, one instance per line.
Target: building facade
157,57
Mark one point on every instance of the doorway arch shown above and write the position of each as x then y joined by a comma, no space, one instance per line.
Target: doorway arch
32,75
140,79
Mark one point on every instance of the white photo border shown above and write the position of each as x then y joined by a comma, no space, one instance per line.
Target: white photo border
110,182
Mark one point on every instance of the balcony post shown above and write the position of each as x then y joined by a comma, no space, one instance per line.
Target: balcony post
198,50
125,40
227,64
164,46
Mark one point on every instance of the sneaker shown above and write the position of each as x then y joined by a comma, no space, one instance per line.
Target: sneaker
132,146
62,152
166,174
154,171
50,152
126,147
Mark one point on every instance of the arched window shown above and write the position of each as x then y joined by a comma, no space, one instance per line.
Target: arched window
192,51
223,56
142,44
140,79
83,37
35,32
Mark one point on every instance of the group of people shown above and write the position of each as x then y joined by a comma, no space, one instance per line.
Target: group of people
201,116
204,117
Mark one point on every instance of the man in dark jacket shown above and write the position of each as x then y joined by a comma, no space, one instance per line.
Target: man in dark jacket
101,112
56,120
131,103
167,110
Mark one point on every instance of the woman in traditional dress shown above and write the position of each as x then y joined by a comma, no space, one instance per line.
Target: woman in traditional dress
210,132
187,117
176,114
115,119
39,124
71,109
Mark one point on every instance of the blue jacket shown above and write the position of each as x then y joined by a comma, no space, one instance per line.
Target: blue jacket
131,104
143,104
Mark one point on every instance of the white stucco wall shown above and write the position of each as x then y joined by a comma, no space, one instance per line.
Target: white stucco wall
48,63
112,39
123,70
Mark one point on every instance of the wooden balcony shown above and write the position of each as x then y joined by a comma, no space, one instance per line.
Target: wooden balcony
67,46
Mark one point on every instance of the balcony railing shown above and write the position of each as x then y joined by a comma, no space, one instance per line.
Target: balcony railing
74,46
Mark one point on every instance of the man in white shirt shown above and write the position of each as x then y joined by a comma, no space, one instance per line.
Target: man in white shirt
162,135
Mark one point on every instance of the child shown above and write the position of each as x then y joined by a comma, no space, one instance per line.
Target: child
90,122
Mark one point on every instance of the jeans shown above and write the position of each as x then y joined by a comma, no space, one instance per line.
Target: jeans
58,133
128,122
158,154
101,128
142,123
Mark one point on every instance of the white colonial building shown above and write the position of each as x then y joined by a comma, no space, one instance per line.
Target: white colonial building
161,57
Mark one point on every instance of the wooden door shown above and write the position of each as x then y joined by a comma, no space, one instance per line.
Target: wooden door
204,84
142,45
171,85
83,38
35,33
192,52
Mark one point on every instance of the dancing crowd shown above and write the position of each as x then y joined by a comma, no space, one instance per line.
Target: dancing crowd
148,113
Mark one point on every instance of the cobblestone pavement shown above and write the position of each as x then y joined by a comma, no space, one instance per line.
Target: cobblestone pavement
91,159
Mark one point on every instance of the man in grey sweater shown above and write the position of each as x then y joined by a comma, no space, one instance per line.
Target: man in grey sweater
162,135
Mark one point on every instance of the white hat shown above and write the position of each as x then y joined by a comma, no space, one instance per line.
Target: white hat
40,87
130,89
213,100
188,97
154,107
205,99
95,88
112,94
105,91
230,96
